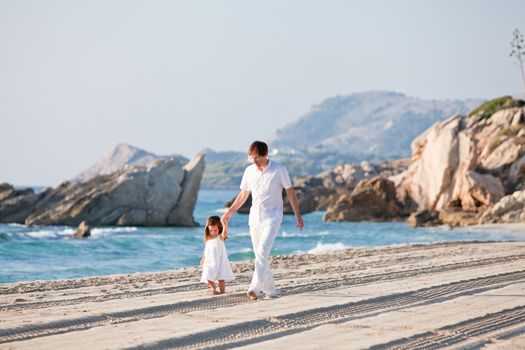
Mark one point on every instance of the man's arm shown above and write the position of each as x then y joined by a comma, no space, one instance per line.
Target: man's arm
290,192
237,203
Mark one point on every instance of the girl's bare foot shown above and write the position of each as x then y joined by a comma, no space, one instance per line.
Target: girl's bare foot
211,291
252,295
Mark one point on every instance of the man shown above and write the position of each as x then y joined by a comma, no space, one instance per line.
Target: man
265,180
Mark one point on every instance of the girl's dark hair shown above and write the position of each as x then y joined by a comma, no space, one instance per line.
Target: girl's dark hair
215,221
258,147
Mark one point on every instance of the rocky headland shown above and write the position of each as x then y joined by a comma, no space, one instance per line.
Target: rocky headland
161,193
464,170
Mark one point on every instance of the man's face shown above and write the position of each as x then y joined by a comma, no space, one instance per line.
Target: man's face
257,159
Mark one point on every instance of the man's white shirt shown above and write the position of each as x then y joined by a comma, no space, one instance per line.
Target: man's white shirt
266,188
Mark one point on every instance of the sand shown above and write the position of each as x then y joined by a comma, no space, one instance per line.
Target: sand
444,295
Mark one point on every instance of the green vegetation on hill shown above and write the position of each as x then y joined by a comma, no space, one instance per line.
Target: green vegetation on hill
490,107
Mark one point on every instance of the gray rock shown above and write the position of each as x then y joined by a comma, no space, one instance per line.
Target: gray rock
83,231
122,155
16,205
135,195
182,213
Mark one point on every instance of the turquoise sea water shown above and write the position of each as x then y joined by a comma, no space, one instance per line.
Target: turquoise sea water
46,253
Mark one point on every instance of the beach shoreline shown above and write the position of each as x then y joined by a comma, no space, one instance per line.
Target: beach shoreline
355,298
515,232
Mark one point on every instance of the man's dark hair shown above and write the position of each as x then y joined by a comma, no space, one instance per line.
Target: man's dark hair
258,147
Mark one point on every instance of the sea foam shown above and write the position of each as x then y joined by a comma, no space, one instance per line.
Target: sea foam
97,231
327,247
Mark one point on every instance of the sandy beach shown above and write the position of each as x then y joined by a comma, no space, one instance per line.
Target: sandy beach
443,295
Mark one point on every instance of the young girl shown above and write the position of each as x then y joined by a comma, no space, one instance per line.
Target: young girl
214,262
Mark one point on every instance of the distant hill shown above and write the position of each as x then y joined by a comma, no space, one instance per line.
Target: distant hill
121,155
375,125
372,126
224,156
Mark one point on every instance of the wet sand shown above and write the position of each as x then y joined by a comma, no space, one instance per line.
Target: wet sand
443,295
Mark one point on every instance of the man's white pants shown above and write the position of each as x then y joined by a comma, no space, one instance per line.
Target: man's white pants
262,241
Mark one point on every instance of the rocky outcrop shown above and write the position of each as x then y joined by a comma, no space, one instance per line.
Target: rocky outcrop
122,155
323,190
135,195
466,163
83,231
16,205
371,200
509,209
461,171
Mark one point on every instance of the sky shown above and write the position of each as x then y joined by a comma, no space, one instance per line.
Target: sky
176,77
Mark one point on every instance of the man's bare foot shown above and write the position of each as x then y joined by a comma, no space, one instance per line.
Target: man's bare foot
252,295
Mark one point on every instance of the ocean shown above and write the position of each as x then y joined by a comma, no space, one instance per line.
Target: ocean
48,252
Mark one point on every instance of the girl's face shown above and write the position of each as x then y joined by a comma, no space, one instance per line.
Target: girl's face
213,230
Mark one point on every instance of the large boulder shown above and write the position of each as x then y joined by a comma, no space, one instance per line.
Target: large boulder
509,209
437,156
135,195
83,231
371,200
479,191
190,187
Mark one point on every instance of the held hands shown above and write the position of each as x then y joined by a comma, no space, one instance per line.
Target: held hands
226,216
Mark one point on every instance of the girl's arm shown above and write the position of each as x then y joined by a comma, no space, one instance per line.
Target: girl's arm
224,234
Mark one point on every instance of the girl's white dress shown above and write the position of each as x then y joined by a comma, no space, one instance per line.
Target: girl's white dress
216,264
